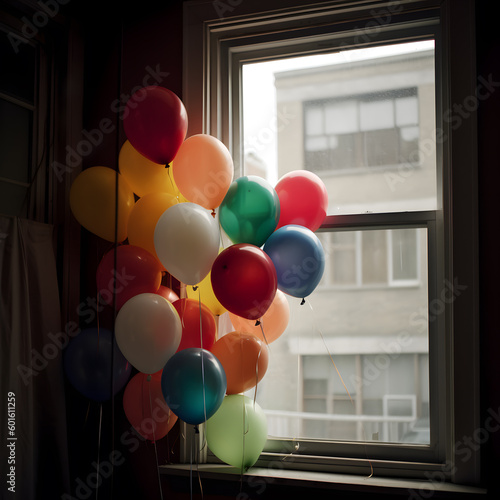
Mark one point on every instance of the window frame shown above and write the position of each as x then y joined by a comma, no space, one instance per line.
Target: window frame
214,49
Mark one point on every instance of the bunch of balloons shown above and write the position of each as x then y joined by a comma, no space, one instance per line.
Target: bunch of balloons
159,209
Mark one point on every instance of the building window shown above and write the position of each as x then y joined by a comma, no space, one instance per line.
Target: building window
371,258
395,218
369,131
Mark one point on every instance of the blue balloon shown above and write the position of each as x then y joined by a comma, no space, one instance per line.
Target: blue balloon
298,257
87,364
193,383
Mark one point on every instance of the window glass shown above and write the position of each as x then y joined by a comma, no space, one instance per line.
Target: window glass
360,119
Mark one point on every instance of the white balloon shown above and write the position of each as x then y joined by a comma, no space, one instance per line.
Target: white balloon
187,241
148,331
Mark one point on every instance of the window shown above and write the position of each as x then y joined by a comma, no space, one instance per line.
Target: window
368,131
371,258
385,194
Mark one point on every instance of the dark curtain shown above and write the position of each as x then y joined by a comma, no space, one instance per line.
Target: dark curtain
33,416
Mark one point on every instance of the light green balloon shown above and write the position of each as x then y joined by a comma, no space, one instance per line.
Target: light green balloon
237,432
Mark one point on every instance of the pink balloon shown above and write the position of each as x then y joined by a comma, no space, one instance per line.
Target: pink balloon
303,199
155,123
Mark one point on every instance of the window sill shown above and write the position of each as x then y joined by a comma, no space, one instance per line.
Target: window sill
256,479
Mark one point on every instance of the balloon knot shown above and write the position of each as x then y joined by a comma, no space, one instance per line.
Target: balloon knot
148,378
257,323
303,302
167,165
213,214
195,288
196,430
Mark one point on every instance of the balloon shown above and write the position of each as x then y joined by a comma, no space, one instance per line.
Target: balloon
194,316
186,240
92,202
237,433
136,271
193,384
298,257
244,358
244,280
144,217
167,293
155,122
203,170
274,321
250,211
204,292
88,364
148,331
143,175
303,199
145,407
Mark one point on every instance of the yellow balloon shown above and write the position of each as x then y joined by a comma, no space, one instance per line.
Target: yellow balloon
143,175
206,295
143,219
92,201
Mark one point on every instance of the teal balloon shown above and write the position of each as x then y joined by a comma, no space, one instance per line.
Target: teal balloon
237,433
193,383
250,210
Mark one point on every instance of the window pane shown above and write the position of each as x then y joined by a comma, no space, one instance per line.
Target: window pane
377,337
13,199
374,254
404,254
370,148
376,115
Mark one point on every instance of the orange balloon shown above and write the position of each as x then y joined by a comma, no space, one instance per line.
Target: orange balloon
143,219
203,170
145,406
92,201
244,358
274,321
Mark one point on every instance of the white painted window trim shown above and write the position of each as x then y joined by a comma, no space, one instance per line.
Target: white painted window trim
213,51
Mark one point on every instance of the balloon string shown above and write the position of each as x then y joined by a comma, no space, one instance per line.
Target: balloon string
341,379
98,450
154,437
202,360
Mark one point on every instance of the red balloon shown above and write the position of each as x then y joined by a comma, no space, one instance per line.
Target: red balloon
303,199
167,293
145,406
244,280
192,313
155,123
137,271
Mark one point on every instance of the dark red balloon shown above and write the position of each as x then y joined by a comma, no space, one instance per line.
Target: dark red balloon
167,293
244,280
303,199
155,122
136,271
192,313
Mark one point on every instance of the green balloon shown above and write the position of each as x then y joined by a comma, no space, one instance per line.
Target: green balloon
250,210
237,432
